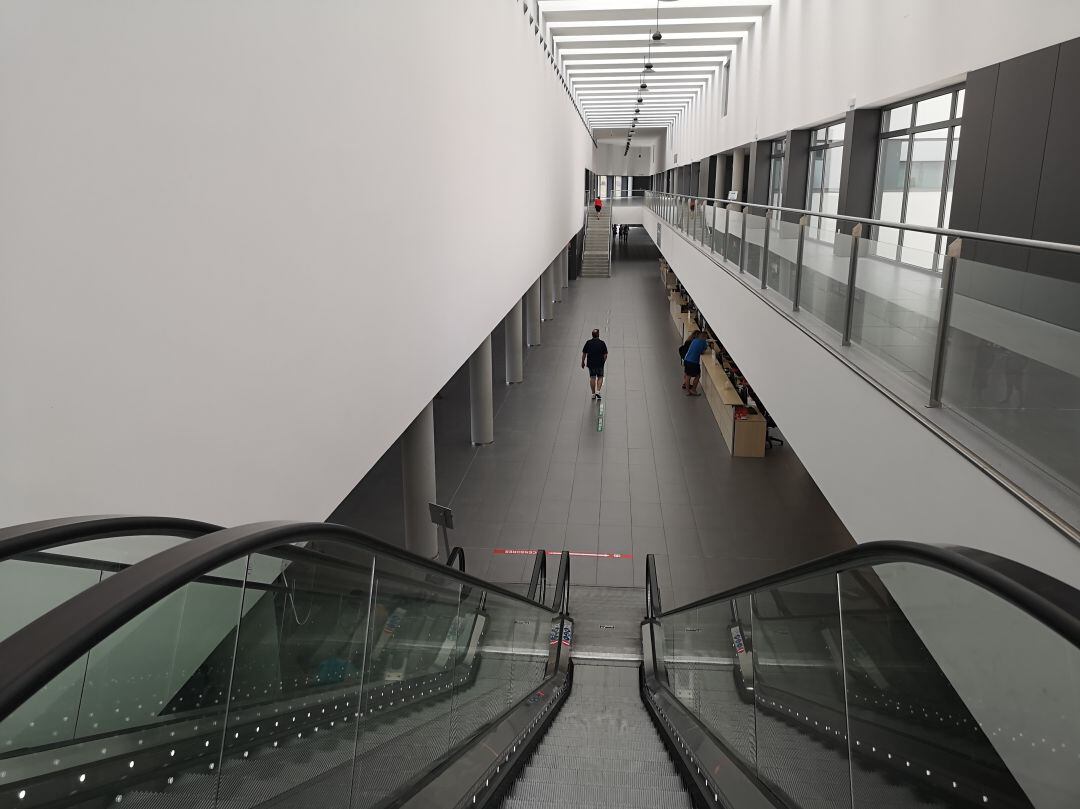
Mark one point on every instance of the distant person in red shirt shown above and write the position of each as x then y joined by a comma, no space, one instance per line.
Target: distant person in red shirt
599,205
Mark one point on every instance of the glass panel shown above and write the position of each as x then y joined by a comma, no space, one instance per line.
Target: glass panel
710,670
938,712
950,180
932,110
892,175
295,689
897,118
960,104
824,277
836,132
802,748
1013,361
136,711
896,311
923,204
783,250
414,614
819,135
755,238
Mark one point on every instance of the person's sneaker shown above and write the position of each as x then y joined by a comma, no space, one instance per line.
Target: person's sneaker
598,396
595,397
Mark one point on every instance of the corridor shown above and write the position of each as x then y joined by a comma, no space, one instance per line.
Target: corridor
657,479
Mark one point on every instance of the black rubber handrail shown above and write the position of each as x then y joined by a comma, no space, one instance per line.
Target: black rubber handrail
1048,600
457,556
538,579
46,646
40,536
562,585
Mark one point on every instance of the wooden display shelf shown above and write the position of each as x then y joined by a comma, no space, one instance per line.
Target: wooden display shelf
745,437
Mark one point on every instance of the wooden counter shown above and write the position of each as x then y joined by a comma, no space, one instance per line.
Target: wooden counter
745,437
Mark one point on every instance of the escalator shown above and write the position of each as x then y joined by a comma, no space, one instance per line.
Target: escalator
296,665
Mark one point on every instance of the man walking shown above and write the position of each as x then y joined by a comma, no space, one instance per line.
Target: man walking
593,356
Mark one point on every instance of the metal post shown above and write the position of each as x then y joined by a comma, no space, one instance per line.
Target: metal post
853,264
765,253
712,236
803,221
948,284
743,252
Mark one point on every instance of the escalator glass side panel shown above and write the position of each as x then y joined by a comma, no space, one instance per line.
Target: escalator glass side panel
710,670
110,725
295,688
415,612
957,695
34,583
801,718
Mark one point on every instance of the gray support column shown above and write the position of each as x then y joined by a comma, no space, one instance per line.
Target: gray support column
418,484
796,169
547,294
738,174
757,184
481,409
858,167
564,263
556,278
532,314
515,353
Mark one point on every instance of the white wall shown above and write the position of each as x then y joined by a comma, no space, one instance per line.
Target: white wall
886,475
217,298
807,59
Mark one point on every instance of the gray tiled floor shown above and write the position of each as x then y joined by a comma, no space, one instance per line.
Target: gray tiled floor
658,478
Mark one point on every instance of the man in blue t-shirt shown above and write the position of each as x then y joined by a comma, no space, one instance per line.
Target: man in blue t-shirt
692,362
593,356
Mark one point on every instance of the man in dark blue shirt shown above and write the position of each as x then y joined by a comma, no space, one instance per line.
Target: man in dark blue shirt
593,356
692,362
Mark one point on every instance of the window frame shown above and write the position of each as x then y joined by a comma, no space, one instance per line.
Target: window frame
951,124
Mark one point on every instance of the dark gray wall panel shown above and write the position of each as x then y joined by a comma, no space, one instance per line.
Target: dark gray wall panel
796,169
1059,186
858,168
979,97
758,178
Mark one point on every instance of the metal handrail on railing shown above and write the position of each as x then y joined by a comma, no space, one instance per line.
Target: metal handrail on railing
562,585
46,534
538,579
457,556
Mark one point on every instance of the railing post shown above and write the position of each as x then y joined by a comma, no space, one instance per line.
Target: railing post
948,284
853,264
765,252
712,235
743,252
797,294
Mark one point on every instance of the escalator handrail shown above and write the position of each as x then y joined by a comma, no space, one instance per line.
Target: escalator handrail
538,579
652,589
457,556
562,585
46,534
50,643
1050,601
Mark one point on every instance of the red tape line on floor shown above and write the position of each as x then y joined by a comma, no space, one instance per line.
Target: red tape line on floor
527,552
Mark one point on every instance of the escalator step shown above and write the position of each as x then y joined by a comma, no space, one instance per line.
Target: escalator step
598,795
604,778
624,764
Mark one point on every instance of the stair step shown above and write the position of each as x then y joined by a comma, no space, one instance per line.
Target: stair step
560,761
636,780
597,795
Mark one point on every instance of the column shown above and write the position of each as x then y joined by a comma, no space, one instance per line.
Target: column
757,184
547,294
515,353
796,171
858,168
565,264
738,173
532,314
418,484
556,278
481,410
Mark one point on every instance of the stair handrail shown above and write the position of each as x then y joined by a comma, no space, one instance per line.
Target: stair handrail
562,585
47,645
457,555
652,589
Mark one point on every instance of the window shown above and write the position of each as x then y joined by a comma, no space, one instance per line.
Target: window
823,180
916,166
776,172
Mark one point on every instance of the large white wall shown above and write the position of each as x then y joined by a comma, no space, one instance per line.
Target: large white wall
886,475
218,294
807,61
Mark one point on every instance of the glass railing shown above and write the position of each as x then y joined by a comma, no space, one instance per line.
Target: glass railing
314,668
894,682
989,330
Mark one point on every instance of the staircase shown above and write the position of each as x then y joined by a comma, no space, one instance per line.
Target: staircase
601,751
596,262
